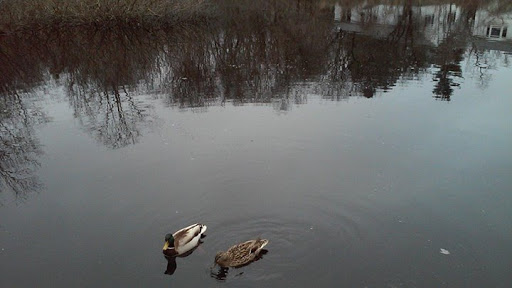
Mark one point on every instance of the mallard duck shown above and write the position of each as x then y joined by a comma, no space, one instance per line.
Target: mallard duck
184,240
240,254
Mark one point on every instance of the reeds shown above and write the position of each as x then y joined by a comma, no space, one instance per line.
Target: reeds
30,14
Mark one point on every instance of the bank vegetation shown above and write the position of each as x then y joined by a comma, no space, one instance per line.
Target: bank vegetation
19,15
33,15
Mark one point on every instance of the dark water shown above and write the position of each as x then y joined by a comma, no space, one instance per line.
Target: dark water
359,141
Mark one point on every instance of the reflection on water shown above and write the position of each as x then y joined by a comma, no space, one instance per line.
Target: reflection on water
171,265
19,148
114,118
221,273
171,260
273,55
363,193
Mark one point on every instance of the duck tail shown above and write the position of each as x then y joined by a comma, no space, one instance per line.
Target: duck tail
261,243
203,228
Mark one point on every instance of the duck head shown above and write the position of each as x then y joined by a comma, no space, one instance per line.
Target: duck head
221,258
169,241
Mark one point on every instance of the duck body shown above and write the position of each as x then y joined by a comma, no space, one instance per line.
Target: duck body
240,254
183,240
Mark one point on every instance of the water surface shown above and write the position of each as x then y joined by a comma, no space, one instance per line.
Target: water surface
359,140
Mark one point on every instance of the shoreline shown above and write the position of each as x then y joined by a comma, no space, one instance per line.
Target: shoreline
26,16
22,16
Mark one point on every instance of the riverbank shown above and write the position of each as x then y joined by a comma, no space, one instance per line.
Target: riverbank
23,15
34,15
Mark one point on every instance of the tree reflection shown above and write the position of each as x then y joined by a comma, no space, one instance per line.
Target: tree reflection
101,89
271,53
482,60
100,70
245,60
366,68
112,117
450,52
19,148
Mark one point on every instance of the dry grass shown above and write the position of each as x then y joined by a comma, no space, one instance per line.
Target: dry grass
30,14
16,15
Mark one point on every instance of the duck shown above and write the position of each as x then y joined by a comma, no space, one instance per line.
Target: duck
240,254
183,240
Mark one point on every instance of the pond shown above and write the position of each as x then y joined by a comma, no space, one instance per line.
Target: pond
370,144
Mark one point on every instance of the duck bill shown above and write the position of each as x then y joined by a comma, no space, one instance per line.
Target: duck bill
166,245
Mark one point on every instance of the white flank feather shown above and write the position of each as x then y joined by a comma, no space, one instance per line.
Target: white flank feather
188,241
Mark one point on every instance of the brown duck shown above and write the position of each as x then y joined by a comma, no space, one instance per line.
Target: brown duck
240,254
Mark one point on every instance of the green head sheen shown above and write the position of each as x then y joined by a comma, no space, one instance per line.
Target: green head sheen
170,239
